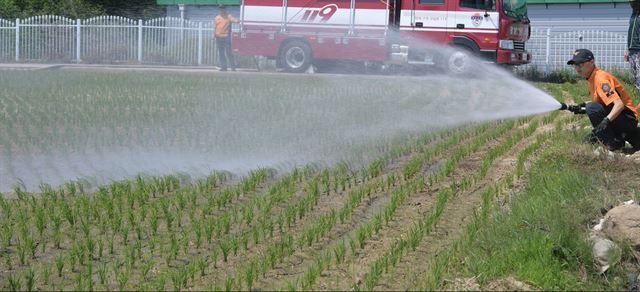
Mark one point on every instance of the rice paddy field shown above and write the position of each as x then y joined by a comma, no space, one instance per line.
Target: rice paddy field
128,181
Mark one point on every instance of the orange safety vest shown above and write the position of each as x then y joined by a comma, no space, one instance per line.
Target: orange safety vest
605,89
223,25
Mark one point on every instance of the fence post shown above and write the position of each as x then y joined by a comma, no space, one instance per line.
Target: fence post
17,39
140,40
547,52
215,52
182,29
78,40
199,43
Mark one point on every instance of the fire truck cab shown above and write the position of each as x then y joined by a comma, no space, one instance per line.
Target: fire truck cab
298,33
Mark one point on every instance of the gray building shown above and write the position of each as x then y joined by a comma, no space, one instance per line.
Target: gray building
571,15
199,10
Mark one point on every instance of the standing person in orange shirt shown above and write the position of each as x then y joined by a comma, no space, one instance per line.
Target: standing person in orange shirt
222,33
612,113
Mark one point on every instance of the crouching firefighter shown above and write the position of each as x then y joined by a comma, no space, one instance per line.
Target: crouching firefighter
611,111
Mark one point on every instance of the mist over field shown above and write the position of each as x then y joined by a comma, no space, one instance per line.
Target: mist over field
102,126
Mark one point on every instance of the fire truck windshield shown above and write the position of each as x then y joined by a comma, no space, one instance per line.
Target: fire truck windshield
515,8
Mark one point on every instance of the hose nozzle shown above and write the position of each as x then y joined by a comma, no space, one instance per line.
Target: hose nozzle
574,108
563,106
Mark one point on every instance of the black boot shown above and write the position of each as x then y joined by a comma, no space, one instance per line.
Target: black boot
590,138
616,144
634,139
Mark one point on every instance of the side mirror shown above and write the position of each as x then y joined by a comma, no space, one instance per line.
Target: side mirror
488,5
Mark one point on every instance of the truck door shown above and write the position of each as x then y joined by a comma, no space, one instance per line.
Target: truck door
476,20
427,19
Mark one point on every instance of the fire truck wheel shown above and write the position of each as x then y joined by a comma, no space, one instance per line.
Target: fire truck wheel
295,56
458,61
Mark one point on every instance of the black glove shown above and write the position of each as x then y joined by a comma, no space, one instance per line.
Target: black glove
602,126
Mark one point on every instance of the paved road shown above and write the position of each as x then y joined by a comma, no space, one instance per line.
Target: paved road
35,66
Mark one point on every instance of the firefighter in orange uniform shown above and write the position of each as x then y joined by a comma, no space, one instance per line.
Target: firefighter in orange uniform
612,113
222,33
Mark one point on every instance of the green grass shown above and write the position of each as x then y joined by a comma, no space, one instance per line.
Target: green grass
548,215
540,238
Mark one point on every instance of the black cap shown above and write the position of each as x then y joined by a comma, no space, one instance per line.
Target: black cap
221,6
580,56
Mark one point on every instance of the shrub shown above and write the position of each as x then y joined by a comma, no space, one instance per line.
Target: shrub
559,76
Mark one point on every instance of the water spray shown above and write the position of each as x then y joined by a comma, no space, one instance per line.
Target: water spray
192,124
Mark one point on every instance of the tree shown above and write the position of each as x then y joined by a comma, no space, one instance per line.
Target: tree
134,9
76,9
8,9
145,9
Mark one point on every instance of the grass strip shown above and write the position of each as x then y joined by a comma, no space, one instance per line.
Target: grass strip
541,240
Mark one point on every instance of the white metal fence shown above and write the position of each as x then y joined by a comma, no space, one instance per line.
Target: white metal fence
551,50
107,39
169,40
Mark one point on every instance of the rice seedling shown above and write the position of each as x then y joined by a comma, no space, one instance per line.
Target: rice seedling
41,221
244,241
291,286
46,274
177,279
202,263
89,276
160,283
339,252
191,271
153,221
214,257
29,279
7,235
69,214
122,276
250,275
14,283
255,233
197,228
124,234
184,242
353,246
60,260
102,273
229,284
225,247
234,244
111,247
22,253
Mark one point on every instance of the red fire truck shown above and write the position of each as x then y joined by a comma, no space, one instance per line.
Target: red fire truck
299,33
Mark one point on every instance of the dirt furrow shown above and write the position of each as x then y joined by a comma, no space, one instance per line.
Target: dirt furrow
224,269
295,266
352,271
409,273
326,203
